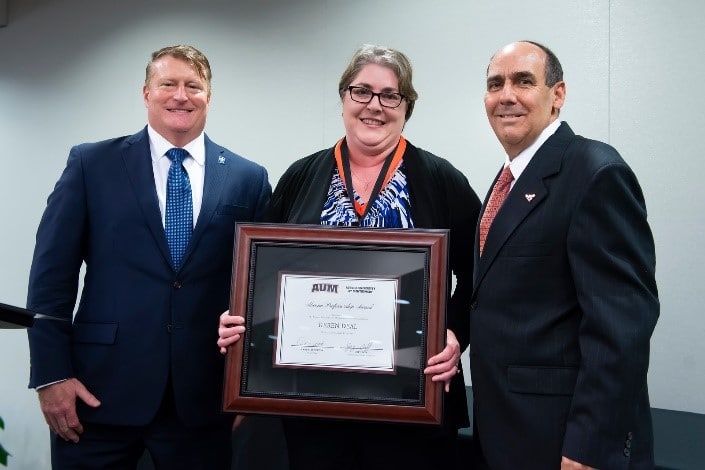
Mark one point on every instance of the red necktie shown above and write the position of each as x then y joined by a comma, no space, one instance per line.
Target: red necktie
499,194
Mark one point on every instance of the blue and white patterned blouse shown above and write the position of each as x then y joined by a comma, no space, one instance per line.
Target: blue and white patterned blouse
391,208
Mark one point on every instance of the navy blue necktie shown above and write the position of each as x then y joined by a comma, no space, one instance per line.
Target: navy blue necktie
179,207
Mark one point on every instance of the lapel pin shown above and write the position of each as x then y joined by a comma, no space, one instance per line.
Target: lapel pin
221,160
529,197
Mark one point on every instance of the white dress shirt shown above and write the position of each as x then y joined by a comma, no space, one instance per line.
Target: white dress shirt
521,161
194,164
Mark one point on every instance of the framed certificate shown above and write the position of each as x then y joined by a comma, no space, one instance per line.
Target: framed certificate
339,322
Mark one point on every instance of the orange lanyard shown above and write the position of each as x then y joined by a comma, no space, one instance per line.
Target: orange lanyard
391,164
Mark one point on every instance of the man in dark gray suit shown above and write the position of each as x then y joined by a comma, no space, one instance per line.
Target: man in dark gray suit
564,298
136,368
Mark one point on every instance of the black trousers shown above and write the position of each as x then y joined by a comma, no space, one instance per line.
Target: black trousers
341,445
171,444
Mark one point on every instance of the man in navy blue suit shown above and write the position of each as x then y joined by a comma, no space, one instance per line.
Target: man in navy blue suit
564,299
135,368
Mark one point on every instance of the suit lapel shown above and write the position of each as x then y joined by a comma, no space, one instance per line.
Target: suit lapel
528,193
138,164
217,168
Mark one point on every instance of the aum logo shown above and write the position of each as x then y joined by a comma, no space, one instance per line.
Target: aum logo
322,287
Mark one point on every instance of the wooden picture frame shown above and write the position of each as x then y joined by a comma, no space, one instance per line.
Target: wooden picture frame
340,322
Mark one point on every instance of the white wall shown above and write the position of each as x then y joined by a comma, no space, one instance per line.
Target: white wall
71,71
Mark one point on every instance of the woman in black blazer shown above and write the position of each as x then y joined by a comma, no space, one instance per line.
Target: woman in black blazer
373,177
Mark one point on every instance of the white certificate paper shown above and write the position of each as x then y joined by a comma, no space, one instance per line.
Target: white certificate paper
336,322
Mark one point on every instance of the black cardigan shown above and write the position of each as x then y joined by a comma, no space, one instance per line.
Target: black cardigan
441,198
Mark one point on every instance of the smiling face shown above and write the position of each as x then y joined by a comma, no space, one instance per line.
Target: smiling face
177,100
518,102
372,129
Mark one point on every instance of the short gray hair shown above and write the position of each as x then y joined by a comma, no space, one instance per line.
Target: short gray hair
387,57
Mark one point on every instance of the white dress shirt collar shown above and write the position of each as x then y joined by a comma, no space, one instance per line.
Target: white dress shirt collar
194,165
158,146
521,161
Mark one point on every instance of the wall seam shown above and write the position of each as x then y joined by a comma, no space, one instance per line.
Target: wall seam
609,71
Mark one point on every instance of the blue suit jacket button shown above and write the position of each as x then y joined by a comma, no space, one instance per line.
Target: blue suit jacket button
177,284
627,452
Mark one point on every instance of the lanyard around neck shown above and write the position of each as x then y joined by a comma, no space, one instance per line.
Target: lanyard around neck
391,163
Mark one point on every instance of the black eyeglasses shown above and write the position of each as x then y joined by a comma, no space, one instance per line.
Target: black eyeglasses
388,99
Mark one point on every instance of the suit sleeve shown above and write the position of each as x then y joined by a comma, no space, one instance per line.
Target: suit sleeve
612,258
264,197
53,279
